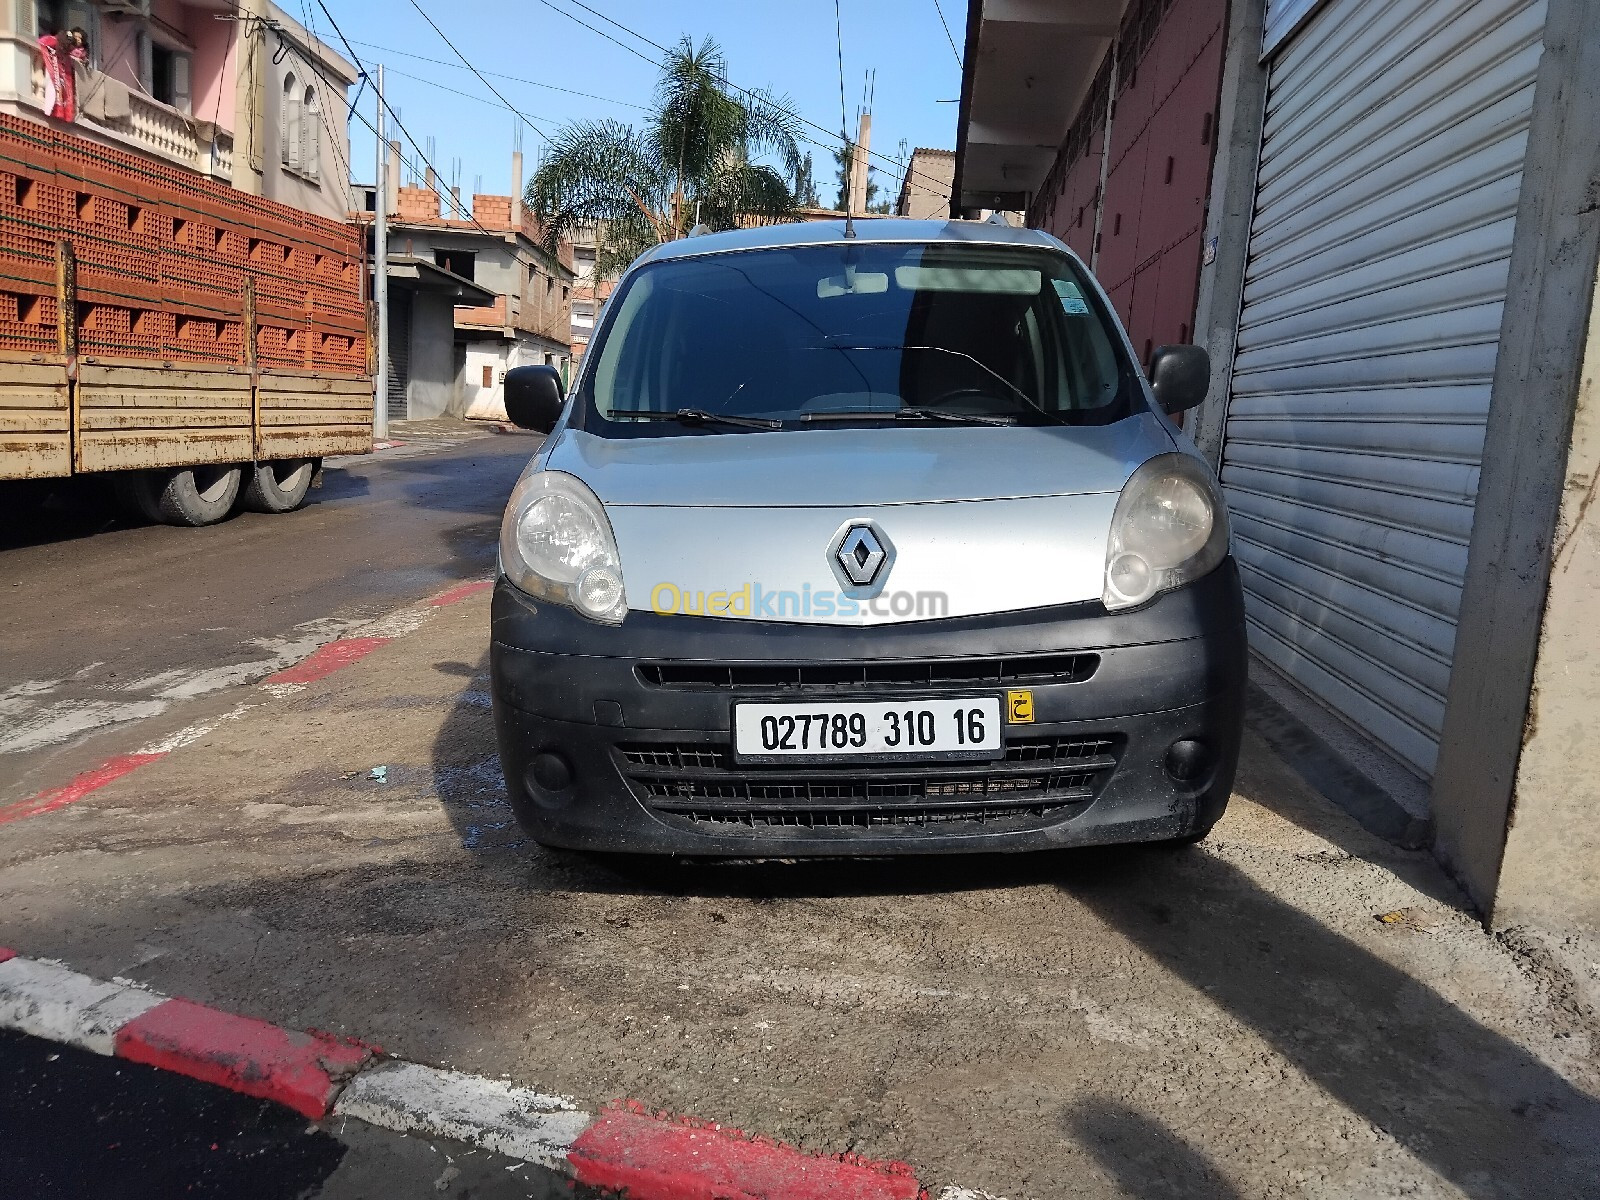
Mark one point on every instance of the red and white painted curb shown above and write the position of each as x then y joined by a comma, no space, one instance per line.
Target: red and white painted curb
625,1147
321,662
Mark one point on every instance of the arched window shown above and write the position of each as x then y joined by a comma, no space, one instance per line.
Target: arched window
289,123
311,135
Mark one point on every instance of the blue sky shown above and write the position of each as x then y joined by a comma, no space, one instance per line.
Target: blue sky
789,47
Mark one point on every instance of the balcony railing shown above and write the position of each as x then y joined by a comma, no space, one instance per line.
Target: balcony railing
150,126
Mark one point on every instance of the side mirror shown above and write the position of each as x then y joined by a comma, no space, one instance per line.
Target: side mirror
1180,376
533,397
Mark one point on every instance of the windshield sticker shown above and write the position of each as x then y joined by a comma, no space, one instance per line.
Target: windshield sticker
1071,298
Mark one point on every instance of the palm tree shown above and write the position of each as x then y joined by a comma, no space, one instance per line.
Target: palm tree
691,159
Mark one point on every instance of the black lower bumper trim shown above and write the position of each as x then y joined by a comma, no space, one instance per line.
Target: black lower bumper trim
600,755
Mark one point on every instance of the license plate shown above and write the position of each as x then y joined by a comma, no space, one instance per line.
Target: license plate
880,730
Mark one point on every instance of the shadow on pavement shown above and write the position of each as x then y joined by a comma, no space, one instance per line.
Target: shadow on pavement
35,511
1480,1110
75,1124
1147,1159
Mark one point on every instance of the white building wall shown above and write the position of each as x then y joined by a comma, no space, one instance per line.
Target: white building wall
497,356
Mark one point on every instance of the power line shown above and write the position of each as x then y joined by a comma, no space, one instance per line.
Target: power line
454,91
828,146
454,66
939,8
602,33
322,114
620,25
389,108
466,62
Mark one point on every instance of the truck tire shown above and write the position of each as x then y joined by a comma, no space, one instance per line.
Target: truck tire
190,496
277,487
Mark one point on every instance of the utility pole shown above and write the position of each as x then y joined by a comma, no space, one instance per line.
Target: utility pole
380,275
859,166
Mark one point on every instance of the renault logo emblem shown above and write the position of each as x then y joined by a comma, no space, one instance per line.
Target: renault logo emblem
860,555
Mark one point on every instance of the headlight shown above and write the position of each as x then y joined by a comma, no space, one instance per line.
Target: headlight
1170,528
556,543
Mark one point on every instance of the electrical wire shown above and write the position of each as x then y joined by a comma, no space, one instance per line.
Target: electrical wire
602,33
829,145
939,8
322,86
454,66
394,116
454,91
466,62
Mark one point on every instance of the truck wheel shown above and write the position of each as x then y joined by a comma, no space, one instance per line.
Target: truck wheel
186,496
277,487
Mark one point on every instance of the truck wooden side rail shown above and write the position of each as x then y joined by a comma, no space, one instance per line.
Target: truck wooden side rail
208,346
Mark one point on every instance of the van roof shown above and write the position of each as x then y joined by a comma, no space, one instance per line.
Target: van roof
868,230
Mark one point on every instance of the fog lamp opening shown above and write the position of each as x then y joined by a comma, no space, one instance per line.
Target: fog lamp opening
551,771
1188,760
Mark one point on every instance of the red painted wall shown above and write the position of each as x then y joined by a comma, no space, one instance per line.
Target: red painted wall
1162,132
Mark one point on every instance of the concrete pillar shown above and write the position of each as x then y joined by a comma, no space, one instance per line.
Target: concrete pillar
1232,201
859,166
249,96
394,177
1525,485
1550,875
516,189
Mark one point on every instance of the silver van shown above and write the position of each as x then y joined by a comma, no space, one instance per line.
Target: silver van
869,540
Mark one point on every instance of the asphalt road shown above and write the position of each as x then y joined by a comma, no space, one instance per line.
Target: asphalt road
117,631
1227,1020
74,1124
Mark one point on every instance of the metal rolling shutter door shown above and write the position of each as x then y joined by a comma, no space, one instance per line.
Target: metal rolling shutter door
1387,192
399,353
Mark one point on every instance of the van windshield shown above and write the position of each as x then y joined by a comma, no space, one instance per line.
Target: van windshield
812,336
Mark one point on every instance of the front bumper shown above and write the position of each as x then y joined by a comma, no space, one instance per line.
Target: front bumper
619,738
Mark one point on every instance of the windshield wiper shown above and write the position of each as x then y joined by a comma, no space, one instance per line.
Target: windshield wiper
697,416
908,414
1021,395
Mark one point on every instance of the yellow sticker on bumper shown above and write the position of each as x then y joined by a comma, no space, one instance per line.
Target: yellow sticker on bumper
1019,708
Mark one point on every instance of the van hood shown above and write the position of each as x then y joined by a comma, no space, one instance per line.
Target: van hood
877,465
973,519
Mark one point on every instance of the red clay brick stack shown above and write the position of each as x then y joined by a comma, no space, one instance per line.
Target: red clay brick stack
163,255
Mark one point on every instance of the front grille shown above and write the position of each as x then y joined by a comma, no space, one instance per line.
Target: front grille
834,819
898,673
1038,777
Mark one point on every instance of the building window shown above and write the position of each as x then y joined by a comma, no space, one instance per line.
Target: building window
458,262
289,123
565,292
165,73
488,375
310,134
39,17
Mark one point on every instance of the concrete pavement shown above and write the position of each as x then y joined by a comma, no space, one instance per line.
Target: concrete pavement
118,632
1232,1020
1292,1009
